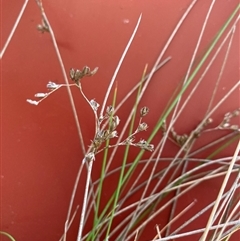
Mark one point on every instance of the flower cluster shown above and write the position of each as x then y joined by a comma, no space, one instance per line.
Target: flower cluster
43,27
180,139
144,145
102,134
52,86
142,126
113,122
105,125
225,124
76,75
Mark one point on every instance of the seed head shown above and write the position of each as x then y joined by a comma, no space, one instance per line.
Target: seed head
144,111
142,127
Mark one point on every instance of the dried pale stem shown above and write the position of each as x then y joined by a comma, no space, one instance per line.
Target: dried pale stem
151,74
135,239
84,206
171,187
198,82
222,68
176,217
118,66
158,232
139,83
200,180
162,176
44,16
155,196
171,237
230,135
39,2
97,127
165,48
112,81
189,174
157,212
204,73
49,93
191,62
179,100
197,215
235,210
7,235
161,143
226,203
203,121
173,209
14,28
70,223
207,163
72,200
169,159
210,220
228,233
136,211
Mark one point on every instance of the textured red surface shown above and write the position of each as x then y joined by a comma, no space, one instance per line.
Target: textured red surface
40,149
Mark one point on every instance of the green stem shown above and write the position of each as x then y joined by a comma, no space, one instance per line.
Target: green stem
96,218
120,182
189,80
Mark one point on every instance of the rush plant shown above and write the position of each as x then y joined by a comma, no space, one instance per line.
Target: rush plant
185,170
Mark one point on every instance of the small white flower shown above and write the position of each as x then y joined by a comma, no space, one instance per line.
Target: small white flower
234,127
41,95
130,140
225,125
94,105
142,127
114,123
110,110
116,120
144,145
149,147
52,85
144,111
105,134
93,72
236,112
228,114
32,102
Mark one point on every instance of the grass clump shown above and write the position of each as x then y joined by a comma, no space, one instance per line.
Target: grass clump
165,185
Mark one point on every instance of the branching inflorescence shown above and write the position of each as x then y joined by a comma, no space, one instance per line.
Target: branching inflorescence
109,119
224,125
106,124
